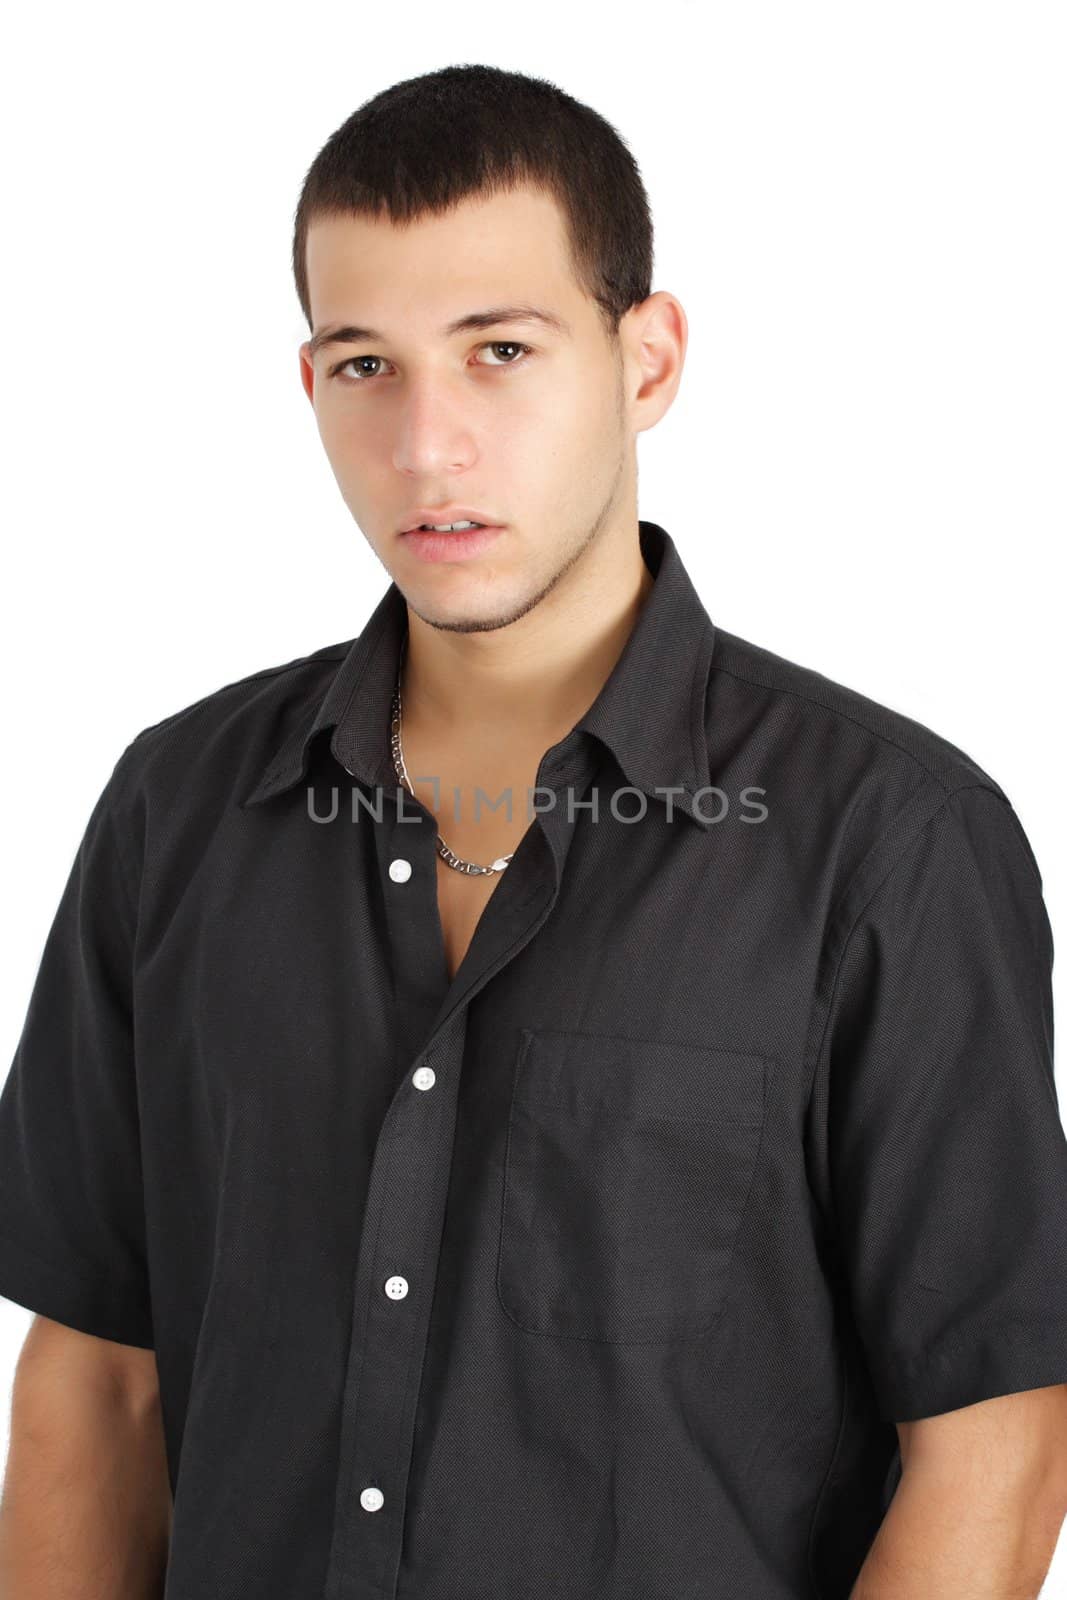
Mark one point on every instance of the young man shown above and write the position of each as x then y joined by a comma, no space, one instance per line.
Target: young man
645,1182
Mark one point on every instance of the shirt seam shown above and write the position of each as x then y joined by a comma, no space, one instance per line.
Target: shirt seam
865,904
128,872
845,716
828,1474
82,1273
860,912
962,1341
839,967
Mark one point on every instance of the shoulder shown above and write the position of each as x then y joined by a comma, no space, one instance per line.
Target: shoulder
214,745
255,692
827,727
854,778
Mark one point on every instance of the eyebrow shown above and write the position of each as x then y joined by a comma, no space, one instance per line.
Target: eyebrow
352,333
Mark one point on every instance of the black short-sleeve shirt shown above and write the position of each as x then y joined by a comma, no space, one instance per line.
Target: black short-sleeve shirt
606,1267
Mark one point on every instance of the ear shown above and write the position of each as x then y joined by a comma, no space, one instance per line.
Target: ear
655,336
307,371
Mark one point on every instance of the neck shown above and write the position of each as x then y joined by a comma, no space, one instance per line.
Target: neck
530,681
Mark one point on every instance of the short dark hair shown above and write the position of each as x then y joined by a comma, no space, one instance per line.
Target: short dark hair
423,144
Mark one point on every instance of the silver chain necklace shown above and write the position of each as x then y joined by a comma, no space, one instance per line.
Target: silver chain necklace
472,868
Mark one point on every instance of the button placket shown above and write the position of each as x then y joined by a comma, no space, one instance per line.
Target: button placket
408,1193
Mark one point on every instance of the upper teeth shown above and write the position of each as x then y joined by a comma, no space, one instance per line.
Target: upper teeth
449,527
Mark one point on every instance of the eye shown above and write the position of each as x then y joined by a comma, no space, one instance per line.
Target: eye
507,344
495,344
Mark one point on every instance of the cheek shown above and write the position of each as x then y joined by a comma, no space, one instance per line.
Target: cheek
347,432
587,410
558,419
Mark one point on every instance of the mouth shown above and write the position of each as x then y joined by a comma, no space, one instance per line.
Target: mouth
457,544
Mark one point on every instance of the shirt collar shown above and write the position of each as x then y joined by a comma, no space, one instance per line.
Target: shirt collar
650,711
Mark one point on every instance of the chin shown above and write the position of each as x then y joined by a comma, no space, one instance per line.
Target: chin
477,610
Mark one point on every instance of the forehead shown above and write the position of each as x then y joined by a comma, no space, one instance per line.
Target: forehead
505,247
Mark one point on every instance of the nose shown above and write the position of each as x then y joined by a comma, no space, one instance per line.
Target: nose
433,432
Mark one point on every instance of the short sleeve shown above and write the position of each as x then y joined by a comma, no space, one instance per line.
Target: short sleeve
72,1231
948,1159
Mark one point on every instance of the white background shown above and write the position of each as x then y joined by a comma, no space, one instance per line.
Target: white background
860,207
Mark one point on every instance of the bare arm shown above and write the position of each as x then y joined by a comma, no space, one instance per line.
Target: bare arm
979,1506
86,1508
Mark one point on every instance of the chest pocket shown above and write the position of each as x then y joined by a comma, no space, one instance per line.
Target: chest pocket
627,1170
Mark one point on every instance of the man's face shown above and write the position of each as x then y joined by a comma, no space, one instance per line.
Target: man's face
526,424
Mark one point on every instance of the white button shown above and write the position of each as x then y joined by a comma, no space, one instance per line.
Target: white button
396,1288
400,870
424,1078
372,1499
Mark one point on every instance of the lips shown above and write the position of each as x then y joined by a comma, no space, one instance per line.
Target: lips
452,548
429,517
